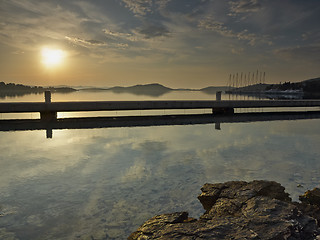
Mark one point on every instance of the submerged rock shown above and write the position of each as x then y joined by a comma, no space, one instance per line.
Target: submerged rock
239,210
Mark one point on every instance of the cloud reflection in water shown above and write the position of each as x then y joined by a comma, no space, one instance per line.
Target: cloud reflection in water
106,182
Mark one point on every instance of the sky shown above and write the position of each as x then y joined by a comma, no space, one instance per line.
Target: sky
178,43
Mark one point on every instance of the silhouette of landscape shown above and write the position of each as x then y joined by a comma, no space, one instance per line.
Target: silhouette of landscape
310,89
18,90
306,89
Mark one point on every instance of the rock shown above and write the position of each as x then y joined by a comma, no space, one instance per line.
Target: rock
310,203
237,210
311,197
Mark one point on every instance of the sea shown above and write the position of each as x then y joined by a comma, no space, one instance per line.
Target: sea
103,183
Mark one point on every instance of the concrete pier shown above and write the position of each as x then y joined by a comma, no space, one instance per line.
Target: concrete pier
147,121
48,110
150,105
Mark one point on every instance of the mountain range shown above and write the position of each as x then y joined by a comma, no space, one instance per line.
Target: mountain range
310,86
153,89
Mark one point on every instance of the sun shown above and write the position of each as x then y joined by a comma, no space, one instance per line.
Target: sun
52,57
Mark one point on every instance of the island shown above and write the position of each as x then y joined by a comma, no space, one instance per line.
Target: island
15,90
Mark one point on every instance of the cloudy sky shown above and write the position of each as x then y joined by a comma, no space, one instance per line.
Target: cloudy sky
179,43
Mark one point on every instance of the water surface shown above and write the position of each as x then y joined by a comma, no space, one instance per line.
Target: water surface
104,183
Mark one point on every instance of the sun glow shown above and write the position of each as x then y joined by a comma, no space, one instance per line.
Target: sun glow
52,57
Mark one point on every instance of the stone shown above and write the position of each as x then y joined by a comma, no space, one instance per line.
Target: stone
311,197
238,210
310,203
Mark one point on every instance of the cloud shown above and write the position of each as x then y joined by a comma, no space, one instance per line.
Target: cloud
143,7
18,52
85,43
119,36
92,12
152,31
115,34
312,36
162,4
237,50
244,6
122,45
308,53
139,7
250,37
209,24
33,23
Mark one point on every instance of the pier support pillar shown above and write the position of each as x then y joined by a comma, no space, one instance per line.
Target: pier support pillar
49,132
47,96
48,116
218,96
223,110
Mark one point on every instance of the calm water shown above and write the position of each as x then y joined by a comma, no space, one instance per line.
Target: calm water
104,183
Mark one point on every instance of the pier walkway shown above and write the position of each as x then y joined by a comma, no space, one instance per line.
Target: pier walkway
48,110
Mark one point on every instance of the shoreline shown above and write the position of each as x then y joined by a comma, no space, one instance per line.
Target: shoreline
238,209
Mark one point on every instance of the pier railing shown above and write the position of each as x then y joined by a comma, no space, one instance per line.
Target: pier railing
48,110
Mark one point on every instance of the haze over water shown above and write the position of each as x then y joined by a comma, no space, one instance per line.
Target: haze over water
106,182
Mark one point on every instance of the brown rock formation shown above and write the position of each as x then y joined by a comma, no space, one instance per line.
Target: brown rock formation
239,210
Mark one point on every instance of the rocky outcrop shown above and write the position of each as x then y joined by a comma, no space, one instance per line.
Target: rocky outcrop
311,197
240,210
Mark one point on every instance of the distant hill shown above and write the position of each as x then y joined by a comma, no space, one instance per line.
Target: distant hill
12,89
22,88
308,88
153,89
146,87
18,87
311,85
312,80
252,88
213,90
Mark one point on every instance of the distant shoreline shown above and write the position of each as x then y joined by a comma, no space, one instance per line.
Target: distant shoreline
154,89
305,89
